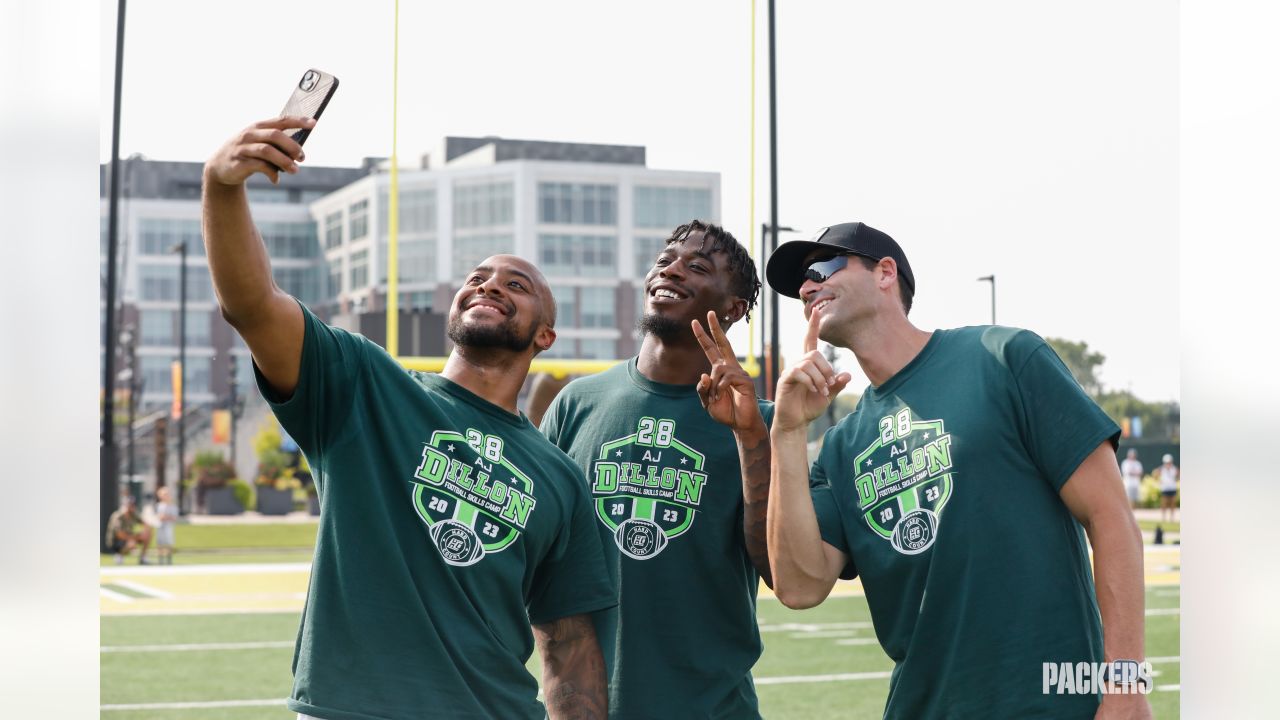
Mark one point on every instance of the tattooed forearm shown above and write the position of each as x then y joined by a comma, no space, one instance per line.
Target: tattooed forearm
573,678
754,456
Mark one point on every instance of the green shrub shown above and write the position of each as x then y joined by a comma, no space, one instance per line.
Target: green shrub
244,492
209,469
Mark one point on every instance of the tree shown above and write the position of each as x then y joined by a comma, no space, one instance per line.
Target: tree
1082,363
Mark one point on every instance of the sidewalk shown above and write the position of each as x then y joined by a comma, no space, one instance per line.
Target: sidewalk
250,517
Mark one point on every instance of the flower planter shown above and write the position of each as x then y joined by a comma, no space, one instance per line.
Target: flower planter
221,501
274,502
313,505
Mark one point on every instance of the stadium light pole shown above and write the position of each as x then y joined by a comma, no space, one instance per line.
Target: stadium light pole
108,466
991,279
181,249
772,379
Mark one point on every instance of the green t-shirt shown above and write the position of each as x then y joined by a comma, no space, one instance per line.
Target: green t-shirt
447,526
667,487
942,487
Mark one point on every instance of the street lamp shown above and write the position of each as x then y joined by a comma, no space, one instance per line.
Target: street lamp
991,279
181,249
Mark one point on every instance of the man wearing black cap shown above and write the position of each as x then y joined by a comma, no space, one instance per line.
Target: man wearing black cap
960,490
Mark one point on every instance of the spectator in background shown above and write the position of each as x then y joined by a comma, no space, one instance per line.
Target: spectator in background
1131,469
1168,475
167,518
126,531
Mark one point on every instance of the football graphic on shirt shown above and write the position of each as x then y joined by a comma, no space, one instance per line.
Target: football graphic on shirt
647,487
474,501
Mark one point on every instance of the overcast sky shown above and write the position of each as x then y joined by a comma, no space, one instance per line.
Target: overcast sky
1035,141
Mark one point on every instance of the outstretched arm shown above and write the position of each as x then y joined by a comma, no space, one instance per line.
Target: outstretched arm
573,681
268,319
1095,496
730,398
805,568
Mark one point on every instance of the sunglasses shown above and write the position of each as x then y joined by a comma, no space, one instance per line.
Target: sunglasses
820,271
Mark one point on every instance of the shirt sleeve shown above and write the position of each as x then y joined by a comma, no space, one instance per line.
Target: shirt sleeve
327,379
572,578
1061,425
827,508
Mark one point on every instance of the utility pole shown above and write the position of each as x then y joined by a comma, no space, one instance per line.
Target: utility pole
108,464
991,279
773,201
769,233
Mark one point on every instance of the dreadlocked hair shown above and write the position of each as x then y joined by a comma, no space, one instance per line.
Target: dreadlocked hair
745,283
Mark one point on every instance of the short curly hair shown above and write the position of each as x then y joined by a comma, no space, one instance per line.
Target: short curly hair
745,282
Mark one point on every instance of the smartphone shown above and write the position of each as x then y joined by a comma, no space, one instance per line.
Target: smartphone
309,99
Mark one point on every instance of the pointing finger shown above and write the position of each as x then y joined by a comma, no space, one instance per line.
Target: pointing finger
811,335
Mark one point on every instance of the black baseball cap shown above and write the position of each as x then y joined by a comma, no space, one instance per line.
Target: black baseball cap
785,270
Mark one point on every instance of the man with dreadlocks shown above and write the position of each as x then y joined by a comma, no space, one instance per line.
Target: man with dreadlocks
675,447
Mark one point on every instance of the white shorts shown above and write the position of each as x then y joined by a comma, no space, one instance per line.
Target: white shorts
164,535
1131,489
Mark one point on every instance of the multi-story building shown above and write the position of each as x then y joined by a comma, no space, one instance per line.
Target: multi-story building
159,208
592,217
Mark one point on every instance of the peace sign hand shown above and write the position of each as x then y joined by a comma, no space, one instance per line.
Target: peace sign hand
808,387
727,392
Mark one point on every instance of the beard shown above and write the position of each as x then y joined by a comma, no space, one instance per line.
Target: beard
661,327
501,337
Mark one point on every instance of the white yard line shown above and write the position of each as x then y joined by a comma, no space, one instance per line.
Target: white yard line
197,647
141,589
1164,611
249,569
858,641
814,627
194,705
789,679
113,595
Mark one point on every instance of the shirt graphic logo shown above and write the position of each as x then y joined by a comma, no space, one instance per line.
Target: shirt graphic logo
904,479
473,500
647,487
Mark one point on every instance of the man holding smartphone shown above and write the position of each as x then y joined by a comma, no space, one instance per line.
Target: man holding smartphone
448,524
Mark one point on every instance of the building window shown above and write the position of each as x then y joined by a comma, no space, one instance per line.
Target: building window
332,230
334,288
562,348
597,349
157,236
417,211
470,250
566,306
416,260
198,329
577,204
577,255
597,305
157,327
359,219
483,205
647,249
670,207
289,239
359,271
300,282
267,195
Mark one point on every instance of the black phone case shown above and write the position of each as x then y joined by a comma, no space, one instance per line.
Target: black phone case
309,99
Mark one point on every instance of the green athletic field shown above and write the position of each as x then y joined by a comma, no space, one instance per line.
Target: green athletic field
215,640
